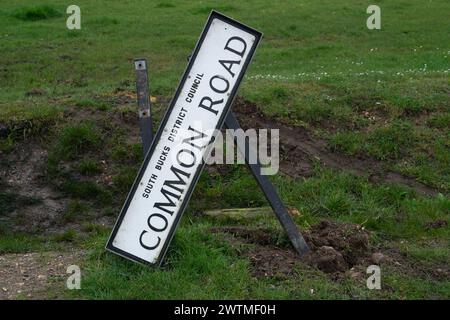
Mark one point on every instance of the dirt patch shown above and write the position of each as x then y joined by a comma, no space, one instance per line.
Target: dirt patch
23,172
335,248
35,92
350,240
327,259
273,262
23,175
36,275
435,271
342,250
299,151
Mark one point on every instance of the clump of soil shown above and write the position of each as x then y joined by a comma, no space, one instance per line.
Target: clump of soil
335,248
271,262
327,259
35,92
350,240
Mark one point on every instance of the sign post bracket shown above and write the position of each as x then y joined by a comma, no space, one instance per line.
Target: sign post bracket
143,100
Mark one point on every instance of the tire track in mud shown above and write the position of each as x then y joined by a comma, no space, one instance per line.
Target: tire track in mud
299,151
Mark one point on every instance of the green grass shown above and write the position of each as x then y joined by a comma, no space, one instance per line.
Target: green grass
21,243
89,167
382,95
6,144
75,212
25,120
37,13
74,140
391,141
66,236
124,179
407,287
440,120
165,5
331,194
434,252
93,104
86,190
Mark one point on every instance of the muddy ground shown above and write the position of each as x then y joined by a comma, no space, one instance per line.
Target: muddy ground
335,248
342,250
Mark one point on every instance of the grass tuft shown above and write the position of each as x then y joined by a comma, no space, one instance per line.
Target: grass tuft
165,5
77,139
85,190
67,236
75,211
89,167
35,13
391,141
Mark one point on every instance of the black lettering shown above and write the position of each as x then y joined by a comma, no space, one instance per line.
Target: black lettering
228,65
194,158
207,103
155,228
227,84
180,181
199,135
145,246
162,205
234,49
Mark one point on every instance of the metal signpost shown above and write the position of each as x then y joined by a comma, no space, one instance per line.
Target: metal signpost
143,98
173,164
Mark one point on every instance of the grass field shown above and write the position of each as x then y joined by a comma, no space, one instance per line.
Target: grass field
378,101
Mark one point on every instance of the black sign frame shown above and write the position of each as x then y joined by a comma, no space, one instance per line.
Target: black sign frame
213,15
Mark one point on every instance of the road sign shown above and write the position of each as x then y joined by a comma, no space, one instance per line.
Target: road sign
172,166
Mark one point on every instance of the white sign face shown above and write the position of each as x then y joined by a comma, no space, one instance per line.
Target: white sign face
173,165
